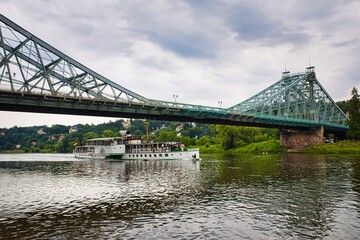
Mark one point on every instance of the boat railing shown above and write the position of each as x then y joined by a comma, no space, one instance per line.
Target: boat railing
157,150
84,149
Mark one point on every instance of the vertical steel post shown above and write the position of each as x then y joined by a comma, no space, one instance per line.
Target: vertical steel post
310,78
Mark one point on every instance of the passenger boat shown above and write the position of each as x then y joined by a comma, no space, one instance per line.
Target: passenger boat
128,147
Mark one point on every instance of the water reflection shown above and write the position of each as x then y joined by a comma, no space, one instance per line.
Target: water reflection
223,196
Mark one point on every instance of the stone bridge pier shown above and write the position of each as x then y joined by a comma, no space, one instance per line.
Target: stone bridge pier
301,138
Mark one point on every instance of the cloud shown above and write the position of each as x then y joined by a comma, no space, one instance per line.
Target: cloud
347,43
251,23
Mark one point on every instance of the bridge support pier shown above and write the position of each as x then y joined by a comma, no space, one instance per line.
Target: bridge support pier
302,138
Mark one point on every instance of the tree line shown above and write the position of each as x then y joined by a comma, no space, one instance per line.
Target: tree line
57,139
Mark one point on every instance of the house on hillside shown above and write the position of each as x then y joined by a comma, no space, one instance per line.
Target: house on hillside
179,127
126,123
73,129
41,131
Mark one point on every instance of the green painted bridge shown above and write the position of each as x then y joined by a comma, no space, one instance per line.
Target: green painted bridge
36,77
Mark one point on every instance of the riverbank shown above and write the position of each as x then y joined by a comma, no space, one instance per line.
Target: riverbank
273,146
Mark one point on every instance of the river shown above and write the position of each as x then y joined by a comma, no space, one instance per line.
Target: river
287,196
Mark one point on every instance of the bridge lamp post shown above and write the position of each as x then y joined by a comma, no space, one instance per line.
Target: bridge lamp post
220,102
175,97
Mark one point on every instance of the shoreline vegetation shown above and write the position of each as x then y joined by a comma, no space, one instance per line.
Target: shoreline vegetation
272,146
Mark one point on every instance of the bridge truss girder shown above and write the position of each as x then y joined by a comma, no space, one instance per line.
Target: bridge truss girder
295,96
29,102
28,64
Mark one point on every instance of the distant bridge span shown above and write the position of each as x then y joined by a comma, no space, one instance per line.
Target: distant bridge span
38,103
36,77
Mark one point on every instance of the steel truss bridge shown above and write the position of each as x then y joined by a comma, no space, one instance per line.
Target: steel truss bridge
36,77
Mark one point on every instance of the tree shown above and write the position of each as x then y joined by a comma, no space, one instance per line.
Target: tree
187,141
354,115
168,136
108,133
227,135
89,135
344,105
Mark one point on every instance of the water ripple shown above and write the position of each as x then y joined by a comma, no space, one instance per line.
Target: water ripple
236,197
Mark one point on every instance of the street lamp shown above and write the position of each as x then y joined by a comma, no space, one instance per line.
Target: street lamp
220,102
175,97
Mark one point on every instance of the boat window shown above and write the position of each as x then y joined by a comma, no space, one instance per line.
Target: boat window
160,155
166,155
137,155
145,155
154,155
141,155
149,155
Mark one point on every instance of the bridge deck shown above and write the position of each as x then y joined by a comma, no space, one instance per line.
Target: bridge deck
30,102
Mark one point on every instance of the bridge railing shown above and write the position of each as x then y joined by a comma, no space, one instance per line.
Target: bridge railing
185,106
298,121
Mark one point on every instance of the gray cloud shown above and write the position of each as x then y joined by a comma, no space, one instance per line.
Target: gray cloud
253,27
347,43
253,23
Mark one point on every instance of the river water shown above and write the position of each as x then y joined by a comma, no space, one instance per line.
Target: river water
290,196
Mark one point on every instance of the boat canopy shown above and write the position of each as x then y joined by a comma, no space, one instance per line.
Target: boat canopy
124,133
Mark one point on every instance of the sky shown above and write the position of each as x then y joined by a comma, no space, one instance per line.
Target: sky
205,52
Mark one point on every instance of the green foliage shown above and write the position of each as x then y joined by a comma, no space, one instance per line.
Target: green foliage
216,148
234,136
56,129
344,105
87,136
206,140
187,141
108,133
168,136
269,146
354,115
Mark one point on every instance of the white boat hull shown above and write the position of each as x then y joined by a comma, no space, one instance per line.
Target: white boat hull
179,155
132,148
188,154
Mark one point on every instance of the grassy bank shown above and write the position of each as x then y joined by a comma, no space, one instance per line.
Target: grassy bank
217,148
341,147
24,151
13,151
271,146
